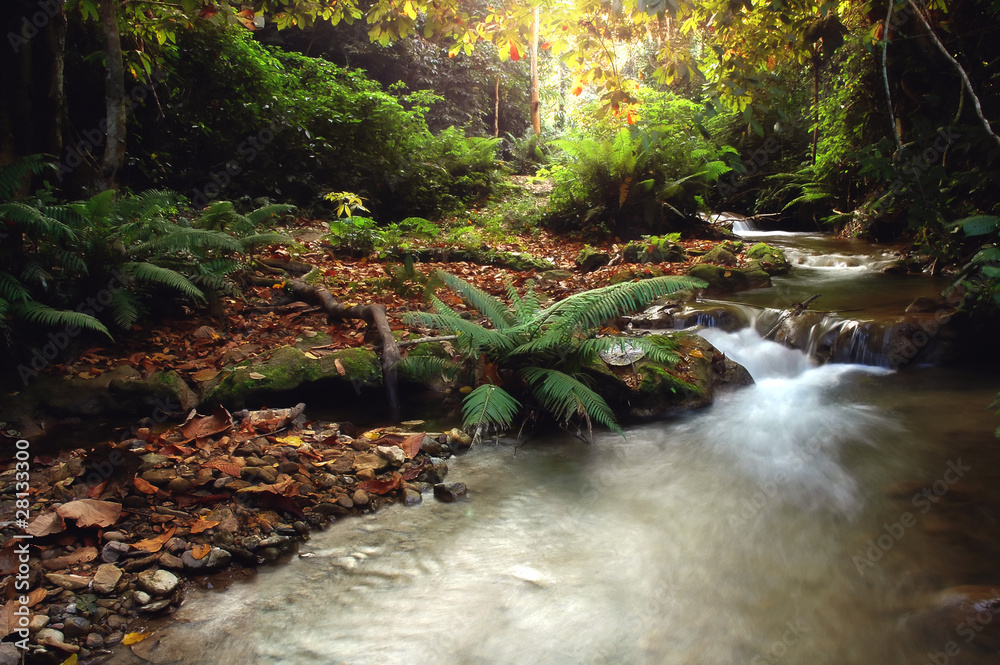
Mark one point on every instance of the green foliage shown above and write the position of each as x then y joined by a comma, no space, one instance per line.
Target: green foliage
308,127
542,353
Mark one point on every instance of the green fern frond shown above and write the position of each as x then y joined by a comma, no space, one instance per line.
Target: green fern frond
264,213
180,238
217,216
425,369
33,273
50,317
589,309
489,405
159,276
566,397
12,290
471,336
591,349
262,239
525,307
12,175
34,222
125,308
487,305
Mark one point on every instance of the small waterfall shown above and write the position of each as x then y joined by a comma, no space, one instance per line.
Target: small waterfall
743,226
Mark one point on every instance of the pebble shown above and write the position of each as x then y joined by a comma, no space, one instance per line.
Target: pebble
179,485
411,497
449,492
9,654
158,582
116,622
436,472
49,635
75,627
95,641
113,551
360,497
115,536
394,455
38,621
142,598
431,447
106,578
155,607
345,501
215,559
114,638
72,582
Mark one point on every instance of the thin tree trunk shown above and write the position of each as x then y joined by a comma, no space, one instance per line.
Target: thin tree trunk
496,109
56,36
114,97
816,64
536,115
958,67
885,79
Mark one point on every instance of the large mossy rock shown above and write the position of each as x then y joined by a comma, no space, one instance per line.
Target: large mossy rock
653,251
647,389
288,368
769,259
590,259
723,280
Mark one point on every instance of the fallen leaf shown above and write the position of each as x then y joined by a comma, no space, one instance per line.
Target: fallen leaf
313,356
228,468
135,638
257,375
8,621
144,486
205,375
155,544
203,525
290,440
36,596
91,512
201,551
411,445
340,367
72,660
381,486
198,427
46,524
696,353
372,434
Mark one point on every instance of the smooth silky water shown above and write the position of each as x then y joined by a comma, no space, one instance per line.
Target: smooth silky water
747,532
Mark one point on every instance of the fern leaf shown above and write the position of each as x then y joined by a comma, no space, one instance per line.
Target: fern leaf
12,175
525,307
34,222
124,308
489,306
566,397
470,335
160,276
261,239
489,405
50,317
12,290
425,369
266,212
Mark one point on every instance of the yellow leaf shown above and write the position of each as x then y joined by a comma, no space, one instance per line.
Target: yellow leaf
465,390
409,10
135,638
201,551
290,440
72,660
696,353
371,435
311,355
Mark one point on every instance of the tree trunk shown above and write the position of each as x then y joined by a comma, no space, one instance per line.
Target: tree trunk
375,316
496,109
114,97
536,116
816,65
56,35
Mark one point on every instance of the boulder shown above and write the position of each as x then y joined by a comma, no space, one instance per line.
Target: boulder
158,582
722,280
769,259
590,259
449,492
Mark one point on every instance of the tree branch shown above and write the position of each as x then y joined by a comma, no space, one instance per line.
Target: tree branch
885,78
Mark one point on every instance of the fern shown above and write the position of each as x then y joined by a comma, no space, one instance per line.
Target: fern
424,369
489,405
36,312
492,308
566,397
158,276
12,290
125,308
13,175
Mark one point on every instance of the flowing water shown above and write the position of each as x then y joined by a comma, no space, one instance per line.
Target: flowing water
767,528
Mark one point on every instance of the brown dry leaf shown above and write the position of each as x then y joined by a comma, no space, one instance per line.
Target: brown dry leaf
8,622
257,376
411,445
135,638
155,544
45,524
144,486
381,486
340,367
203,525
201,551
36,596
228,468
198,427
91,512
205,375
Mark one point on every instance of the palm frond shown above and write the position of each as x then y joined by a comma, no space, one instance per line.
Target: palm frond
160,276
489,306
488,405
566,397
50,317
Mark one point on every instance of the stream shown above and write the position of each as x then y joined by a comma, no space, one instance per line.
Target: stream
766,528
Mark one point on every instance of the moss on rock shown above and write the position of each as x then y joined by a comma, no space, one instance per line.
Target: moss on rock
723,280
769,259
